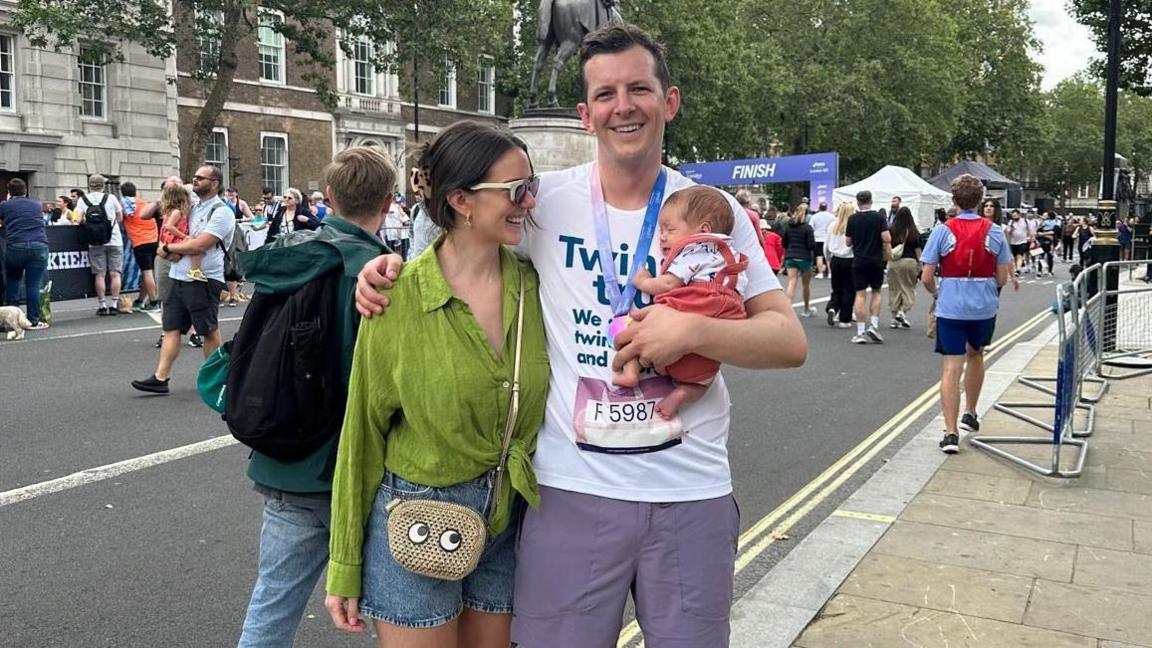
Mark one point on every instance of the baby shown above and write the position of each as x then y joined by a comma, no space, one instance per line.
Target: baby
701,273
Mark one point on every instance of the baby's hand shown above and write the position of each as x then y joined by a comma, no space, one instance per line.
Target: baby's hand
641,275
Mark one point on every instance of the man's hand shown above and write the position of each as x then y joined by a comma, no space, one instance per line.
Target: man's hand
378,274
345,613
658,336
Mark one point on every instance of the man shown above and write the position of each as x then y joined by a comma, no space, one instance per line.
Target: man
1032,220
270,205
194,303
394,225
892,208
867,235
143,235
106,259
243,214
820,222
974,261
1017,233
1048,235
297,496
651,506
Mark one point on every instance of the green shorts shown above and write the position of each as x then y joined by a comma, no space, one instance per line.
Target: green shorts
801,265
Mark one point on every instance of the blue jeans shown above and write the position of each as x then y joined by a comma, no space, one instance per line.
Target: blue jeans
30,261
293,553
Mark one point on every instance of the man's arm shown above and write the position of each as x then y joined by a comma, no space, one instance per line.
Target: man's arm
199,245
769,338
928,277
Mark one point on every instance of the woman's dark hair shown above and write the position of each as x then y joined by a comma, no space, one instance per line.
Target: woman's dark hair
998,214
903,226
941,215
68,201
457,158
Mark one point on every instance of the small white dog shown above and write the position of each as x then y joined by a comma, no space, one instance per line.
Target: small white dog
13,319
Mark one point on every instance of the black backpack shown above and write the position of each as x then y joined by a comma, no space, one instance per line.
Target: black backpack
97,225
285,391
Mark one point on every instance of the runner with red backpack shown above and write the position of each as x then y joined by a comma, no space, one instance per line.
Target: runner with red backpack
975,261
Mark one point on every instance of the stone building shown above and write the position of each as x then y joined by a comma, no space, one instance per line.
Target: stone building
61,120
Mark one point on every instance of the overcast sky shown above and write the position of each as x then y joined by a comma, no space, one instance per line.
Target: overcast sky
1068,45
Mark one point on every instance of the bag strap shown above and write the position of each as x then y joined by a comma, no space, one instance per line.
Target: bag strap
514,406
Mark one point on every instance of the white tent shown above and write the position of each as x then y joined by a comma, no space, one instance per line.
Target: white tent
915,193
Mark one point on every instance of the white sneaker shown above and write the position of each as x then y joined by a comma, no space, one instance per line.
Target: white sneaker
874,333
860,338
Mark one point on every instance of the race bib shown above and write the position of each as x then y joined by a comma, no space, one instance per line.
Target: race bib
624,420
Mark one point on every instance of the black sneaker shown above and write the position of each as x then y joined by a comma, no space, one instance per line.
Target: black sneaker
831,317
102,311
152,385
159,341
195,341
112,310
950,444
968,423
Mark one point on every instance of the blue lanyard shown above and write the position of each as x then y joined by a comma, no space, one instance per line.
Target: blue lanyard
622,301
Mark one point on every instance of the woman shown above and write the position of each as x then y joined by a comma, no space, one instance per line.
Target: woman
416,428
1084,236
989,209
799,255
904,269
292,215
840,261
1124,236
24,231
1067,237
67,210
1047,236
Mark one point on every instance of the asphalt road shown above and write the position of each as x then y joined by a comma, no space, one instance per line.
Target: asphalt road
165,555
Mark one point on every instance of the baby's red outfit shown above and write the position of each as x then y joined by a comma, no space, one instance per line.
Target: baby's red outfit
716,298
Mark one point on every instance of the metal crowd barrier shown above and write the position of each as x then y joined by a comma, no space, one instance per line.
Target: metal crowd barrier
1072,325
1126,318
1086,306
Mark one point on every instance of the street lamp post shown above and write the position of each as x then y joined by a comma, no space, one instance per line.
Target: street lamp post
1107,246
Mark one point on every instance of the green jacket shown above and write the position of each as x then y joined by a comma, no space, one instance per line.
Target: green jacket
284,266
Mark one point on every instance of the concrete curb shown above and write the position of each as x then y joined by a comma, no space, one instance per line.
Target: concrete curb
782,604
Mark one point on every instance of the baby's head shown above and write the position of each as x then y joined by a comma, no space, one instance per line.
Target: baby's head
691,211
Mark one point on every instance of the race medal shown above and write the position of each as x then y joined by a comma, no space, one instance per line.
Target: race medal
618,324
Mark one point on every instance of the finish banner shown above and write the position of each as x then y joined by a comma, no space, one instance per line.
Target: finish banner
820,170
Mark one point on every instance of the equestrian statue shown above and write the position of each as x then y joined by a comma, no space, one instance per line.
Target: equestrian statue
563,24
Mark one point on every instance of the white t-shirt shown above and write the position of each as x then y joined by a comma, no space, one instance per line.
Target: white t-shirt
112,207
836,245
218,219
701,261
563,247
1017,231
820,222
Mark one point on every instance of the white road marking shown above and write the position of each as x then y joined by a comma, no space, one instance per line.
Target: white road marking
93,475
123,330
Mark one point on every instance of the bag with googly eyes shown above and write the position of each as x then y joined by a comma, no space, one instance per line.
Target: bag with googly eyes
435,539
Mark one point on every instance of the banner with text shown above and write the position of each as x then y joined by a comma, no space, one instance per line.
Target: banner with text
820,170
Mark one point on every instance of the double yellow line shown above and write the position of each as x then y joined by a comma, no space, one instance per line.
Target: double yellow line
776,524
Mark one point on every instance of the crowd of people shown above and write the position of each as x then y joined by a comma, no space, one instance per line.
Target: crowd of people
528,510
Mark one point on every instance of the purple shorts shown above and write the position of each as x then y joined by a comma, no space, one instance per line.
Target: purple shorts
580,555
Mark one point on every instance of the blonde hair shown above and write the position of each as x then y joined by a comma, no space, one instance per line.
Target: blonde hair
174,196
799,214
295,194
361,180
843,211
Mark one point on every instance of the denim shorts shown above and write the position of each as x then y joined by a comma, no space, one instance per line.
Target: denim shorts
399,597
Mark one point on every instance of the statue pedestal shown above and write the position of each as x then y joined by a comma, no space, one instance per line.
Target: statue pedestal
555,142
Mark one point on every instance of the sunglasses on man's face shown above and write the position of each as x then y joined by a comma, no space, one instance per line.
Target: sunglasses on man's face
518,190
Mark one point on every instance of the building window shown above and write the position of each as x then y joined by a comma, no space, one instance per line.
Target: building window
271,48
363,71
208,41
93,87
448,85
274,161
486,87
7,73
1082,191
216,152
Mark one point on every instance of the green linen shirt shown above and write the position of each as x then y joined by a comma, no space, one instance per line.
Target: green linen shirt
428,401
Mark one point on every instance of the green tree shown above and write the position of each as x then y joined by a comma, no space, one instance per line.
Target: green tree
1135,41
1071,145
1001,110
403,32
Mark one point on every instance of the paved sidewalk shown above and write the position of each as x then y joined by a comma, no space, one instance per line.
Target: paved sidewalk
983,553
